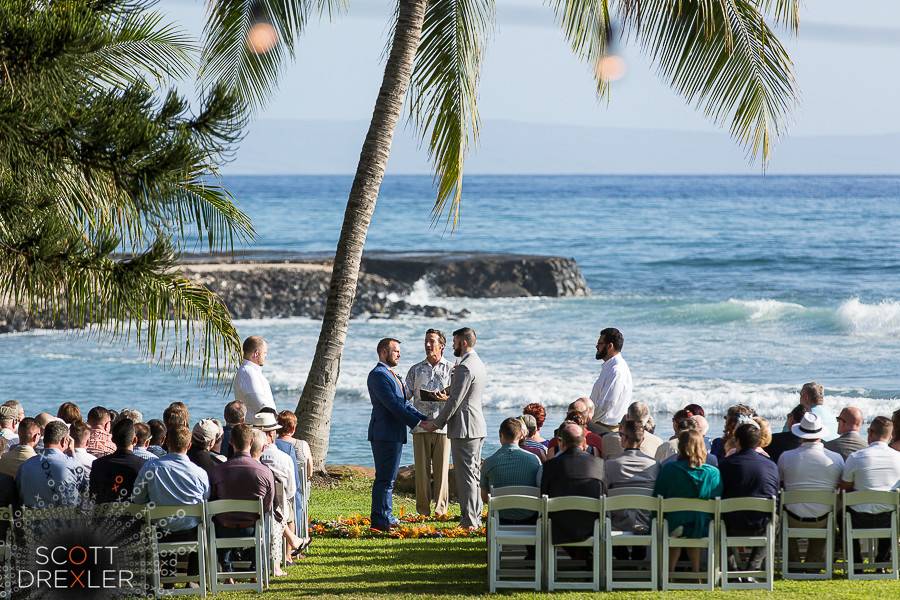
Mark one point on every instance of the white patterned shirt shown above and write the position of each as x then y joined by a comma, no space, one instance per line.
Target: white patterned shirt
423,376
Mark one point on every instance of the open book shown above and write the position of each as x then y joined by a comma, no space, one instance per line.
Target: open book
429,395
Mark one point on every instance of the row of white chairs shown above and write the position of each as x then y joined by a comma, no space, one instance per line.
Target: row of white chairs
211,576
508,567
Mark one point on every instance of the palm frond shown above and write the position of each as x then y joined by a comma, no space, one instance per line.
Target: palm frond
444,90
586,25
137,44
725,60
227,58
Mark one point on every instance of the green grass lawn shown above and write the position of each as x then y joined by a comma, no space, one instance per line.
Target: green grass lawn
456,568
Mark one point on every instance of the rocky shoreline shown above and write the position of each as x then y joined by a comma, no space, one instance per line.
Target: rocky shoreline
274,284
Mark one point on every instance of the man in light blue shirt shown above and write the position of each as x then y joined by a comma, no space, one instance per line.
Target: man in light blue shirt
173,480
510,465
812,396
52,478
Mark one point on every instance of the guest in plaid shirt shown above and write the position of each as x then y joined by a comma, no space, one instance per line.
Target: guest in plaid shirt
99,442
510,465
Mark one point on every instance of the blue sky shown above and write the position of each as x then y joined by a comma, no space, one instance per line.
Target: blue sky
846,58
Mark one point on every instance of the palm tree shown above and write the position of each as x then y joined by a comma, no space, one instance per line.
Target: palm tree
721,55
102,182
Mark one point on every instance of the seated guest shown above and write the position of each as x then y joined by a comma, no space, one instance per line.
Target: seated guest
69,413
9,423
703,428
639,413
681,421
748,474
80,433
688,477
668,451
173,480
848,441
786,440
142,443
216,449
510,465
573,472
721,445
29,434
52,478
99,441
810,466
895,422
537,410
296,530
631,469
876,467
283,470
157,437
235,414
594,443
286,441
176,414
241,477
812,397
113,476
202,439
529,443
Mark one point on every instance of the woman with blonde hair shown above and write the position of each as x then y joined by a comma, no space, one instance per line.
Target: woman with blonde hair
688,477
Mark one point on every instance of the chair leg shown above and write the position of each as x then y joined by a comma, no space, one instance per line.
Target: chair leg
596,564
492,566
538,571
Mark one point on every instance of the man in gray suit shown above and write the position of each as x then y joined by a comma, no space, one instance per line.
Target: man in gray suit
465,424
848,440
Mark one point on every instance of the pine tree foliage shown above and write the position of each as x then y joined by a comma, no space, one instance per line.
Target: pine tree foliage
103,180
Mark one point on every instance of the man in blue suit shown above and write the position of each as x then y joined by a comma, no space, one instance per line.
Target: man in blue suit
391,416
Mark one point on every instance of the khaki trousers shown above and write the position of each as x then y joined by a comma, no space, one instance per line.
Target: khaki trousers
815,551
431,452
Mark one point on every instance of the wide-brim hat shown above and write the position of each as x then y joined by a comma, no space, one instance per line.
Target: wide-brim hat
809,428
265,421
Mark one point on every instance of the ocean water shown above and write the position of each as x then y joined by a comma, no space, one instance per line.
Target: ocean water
727,289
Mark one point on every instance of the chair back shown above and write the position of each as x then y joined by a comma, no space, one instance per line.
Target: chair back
584,503
515,501
176,510
766,505
630,502
889,498
688,504
516,490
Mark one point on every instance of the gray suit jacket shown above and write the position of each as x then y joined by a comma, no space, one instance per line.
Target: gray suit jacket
846,444
462,413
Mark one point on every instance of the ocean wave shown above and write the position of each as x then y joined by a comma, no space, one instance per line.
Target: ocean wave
852,316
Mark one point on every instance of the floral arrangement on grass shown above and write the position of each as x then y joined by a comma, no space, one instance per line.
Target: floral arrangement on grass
411,527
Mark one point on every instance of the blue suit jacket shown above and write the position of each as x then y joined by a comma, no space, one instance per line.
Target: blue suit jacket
391,413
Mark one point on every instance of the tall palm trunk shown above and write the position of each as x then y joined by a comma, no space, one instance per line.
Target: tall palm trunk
316,402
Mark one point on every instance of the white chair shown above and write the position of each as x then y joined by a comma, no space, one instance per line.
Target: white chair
708,543
516,575
516,490
764,578
566,577
872,535
258,541
788,566
159,516
631,574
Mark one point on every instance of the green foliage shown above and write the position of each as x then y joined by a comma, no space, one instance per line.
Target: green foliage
101,181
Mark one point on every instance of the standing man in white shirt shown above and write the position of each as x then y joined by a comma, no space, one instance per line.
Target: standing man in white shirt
874,468
250,385
431,449
612,390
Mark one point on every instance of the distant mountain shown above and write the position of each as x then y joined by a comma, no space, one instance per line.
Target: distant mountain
332,147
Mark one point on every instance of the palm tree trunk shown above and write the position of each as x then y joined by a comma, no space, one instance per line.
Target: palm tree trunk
316,402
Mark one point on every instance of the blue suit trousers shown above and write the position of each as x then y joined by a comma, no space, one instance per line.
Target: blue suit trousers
387,463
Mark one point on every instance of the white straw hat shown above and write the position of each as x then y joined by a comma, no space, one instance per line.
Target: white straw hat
809,428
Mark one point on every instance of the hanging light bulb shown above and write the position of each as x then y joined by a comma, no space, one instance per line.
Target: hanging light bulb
262,36
611,65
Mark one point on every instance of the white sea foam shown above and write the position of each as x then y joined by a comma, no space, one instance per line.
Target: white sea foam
766,310
857,318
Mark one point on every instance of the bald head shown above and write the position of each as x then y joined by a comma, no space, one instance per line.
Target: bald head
571,435
849,420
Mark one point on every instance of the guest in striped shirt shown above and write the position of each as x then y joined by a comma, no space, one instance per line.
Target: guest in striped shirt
529,443
510,465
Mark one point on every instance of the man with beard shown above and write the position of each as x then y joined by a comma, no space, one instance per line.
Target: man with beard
465,424
391,415
612,390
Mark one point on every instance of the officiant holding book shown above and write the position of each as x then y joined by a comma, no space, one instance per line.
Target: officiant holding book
431,450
